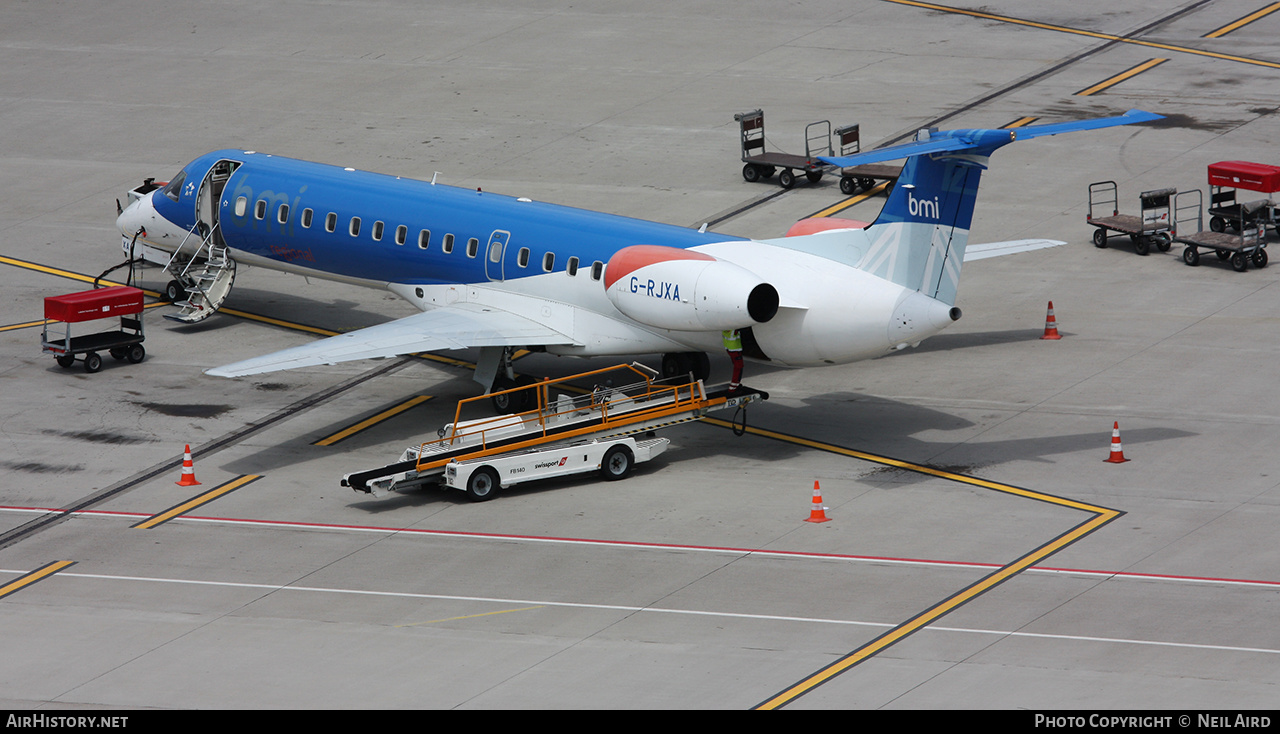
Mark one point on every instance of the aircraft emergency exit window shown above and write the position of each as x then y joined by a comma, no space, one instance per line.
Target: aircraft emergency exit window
473,246
330,222
307,214
355,227
448,244
424,239
260,209
549,261
377,231
242,205
282,215
523,257
402,234
572,267
597,270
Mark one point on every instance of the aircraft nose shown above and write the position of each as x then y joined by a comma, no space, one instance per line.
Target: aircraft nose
136,217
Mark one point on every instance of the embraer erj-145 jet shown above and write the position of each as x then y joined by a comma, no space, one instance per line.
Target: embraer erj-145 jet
498,273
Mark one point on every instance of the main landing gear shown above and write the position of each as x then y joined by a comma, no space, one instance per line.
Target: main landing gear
683,363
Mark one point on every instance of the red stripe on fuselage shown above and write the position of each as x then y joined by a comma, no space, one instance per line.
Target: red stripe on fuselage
630,259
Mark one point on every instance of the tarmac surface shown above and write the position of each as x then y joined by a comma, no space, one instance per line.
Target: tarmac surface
980,552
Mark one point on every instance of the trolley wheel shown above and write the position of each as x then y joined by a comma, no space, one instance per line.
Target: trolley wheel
1260,258
751,173
174,292
482,485
848,185
1217,224
1163,241
65,360
1100,237
867,183
1142,245
136,353
118,353
1191,256
814,176
1239,262
617,463
92,362
786,179
1223,255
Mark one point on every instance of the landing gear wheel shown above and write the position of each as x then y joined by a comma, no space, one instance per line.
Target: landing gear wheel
1259,258
616,464
1239,262
786,179
681,364
1191,256
92,362
174,292
503,403
482,485
65,360
1100,238
136,353
673,364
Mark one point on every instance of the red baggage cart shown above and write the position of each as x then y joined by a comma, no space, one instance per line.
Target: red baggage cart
1226,212
121,302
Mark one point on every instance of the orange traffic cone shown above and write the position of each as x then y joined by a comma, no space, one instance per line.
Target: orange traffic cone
1117,451
818,513
188,470
1051,325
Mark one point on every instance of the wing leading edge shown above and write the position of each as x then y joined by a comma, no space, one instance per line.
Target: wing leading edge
458,326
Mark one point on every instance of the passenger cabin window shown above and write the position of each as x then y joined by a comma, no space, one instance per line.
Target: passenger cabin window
402,234
307,214
354,229
282,215
242,205
377,231
473,246
597,270
549,261
330,222
572,267
260,209
448,244
523,257
424,239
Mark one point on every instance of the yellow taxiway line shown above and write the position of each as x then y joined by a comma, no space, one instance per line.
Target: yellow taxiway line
195,502
28,579
372,420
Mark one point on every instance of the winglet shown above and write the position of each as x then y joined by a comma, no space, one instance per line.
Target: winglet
983,141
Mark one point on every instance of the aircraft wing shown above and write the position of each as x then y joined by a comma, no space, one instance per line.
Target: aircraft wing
996,249
457,326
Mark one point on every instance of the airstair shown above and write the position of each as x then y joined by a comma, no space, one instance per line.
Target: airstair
566,413
205,276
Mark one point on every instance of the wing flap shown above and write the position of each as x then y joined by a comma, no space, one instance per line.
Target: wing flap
458,326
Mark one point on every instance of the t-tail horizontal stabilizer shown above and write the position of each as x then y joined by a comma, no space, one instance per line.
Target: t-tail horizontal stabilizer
981,141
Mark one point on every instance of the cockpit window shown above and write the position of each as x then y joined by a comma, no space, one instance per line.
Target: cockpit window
174,188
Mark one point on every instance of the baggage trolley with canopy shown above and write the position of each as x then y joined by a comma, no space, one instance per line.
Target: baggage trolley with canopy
121,301
1226,178
1150,226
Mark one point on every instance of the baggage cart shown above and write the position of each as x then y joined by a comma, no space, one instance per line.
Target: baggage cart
123,302
864,177
1247,245
1150,227
1226,178
761,165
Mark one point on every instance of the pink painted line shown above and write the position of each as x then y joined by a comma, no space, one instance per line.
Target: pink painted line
659,546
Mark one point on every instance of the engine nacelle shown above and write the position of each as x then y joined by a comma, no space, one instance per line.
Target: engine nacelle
814,225
682,290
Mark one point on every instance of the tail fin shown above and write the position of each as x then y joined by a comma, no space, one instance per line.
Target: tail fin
920,237
918,241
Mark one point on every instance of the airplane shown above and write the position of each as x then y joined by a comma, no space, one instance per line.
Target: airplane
502,273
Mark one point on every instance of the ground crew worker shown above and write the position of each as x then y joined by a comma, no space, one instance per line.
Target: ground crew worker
733,345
